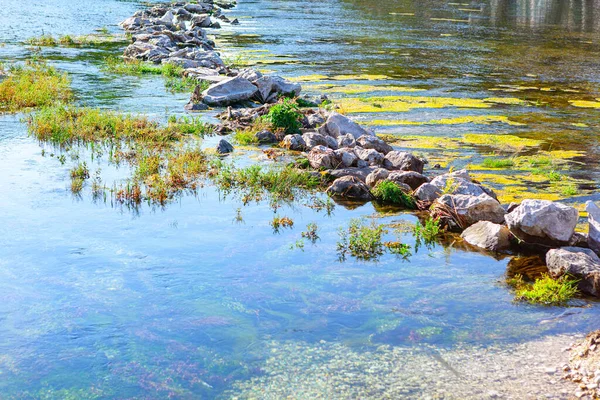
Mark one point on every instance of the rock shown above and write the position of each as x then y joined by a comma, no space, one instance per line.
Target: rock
458,184
346,140
251,74
349,187
191,106
471,209
371,156
264,85
379,174
235,22
594,225
347,156
314,120
542,222
286,87
359,173
230,91
338,124
488,235
293,142
373,142
313,139
201,21
265,136
410,178
404,161
580,263
224,147
197,8
321,157
331,142
427,192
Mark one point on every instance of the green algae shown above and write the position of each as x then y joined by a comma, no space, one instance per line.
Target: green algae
585,103
360,88
501,142
469,119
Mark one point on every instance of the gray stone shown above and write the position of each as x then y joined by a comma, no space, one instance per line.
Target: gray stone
265,136
346,140
594,225
347,156
401,160
321,157
349,187
427,192
228,92
331,142
360,173
315,120
293,142
472,209
488,235
411,178
224,147
338,124
264,85
580,263
371,156
286,87
379,174
455,184
373,142
251,74
542,221
313,139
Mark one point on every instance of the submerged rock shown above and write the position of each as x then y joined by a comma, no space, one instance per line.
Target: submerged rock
224,147
543,222
401,160
580,263
230,91
594,226
488,235
349,187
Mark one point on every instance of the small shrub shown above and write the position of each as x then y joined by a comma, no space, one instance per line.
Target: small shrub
545,290
285,115
361,241
498,163
389,192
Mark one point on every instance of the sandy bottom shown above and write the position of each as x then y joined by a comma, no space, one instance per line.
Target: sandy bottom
531,370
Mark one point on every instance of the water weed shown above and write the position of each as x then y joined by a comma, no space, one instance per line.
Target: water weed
545,290
277,223
427,232
33,85
498,163
398,248
389,192
361,241
311,232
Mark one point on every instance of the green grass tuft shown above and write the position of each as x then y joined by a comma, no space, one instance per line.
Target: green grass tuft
389,192
545,290
498,163
285,116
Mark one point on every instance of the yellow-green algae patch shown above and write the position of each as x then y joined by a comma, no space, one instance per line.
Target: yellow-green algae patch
364,77
500,141
468,119
423,142
407,103
308,78
585,103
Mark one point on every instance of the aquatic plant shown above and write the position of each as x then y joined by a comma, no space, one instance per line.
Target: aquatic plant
545,290
81,171
33,85
285,115
398,248
245,137
389,192
311,232
101,38
427,232
281,222
361,241
498,163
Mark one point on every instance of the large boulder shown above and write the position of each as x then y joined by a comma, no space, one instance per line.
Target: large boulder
401,160
321,157
285,87
373,142
594,226
543,222
410,178
467,210
228,92
376,176
349,187
338,124
578,262
346,156
359,173
488,235
460,183
293,142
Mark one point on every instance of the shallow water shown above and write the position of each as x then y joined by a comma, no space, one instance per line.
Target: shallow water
186,300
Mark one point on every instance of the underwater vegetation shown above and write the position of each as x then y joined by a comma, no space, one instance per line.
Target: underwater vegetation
361,241
544,290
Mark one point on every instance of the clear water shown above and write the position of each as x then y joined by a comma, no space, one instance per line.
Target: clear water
99,301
